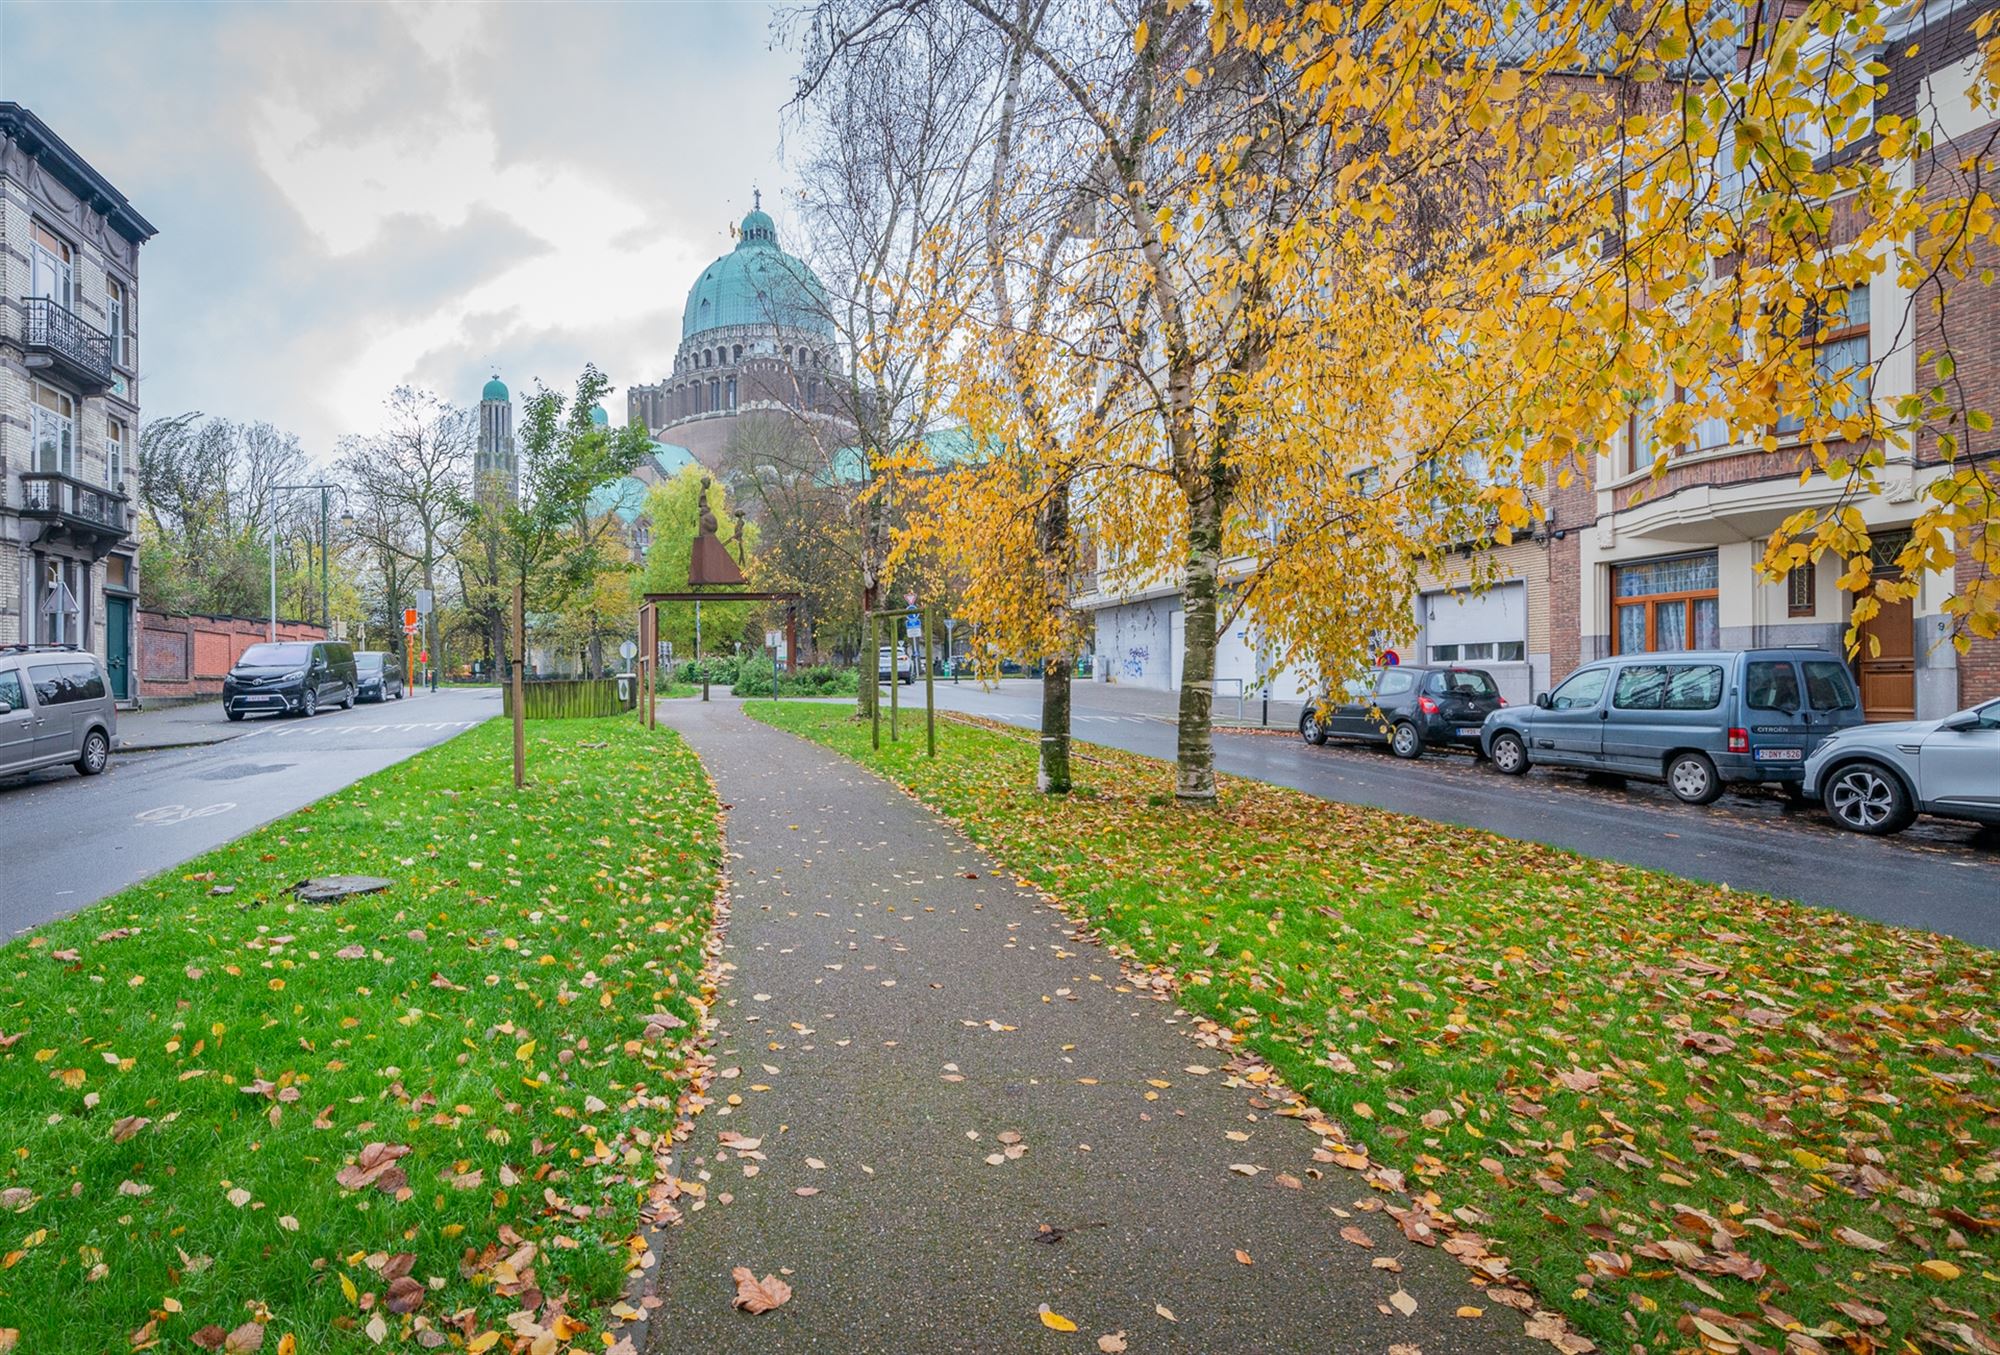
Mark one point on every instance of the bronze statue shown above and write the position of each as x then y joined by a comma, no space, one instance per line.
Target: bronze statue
709,562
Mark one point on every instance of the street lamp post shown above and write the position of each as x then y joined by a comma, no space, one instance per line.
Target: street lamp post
326,490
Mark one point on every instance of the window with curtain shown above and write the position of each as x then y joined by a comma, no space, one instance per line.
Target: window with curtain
114,321
51,268
1661,606
114,452
1838,333
53,429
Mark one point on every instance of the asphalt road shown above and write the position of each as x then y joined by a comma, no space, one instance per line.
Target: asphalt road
67,841
1944,877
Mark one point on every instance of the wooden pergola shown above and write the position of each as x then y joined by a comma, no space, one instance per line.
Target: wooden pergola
649,634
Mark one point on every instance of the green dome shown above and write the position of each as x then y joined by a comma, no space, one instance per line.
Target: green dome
757,283
598,416
496,389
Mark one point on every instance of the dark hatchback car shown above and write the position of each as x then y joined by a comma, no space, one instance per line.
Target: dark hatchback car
1410,707
378,676
291,677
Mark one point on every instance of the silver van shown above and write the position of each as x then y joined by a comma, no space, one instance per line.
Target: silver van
55,707
1698,720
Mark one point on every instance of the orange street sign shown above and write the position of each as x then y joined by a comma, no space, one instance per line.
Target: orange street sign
409,618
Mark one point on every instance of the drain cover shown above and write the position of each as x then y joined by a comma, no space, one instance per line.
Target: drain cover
332,888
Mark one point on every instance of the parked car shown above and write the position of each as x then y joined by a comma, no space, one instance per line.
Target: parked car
1700,721
1878,778
55,708
1410,707
291,677
894,661
376,675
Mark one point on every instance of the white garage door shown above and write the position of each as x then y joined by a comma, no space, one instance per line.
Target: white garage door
1488,627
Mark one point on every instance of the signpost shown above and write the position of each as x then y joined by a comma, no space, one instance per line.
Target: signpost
410,650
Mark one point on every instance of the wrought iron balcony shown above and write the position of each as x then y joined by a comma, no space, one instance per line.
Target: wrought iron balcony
76,511
57,337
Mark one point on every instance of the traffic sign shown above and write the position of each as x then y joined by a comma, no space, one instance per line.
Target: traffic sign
1390,658
424,601
627,650
409,618
911,626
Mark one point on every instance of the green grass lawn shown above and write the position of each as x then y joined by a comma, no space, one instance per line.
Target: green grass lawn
1685,1116
414,1111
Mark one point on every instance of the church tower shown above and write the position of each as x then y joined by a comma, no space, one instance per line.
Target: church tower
496,474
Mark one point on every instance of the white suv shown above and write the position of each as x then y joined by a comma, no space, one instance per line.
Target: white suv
1878,778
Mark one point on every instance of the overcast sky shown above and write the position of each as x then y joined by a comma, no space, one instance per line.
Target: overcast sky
351,196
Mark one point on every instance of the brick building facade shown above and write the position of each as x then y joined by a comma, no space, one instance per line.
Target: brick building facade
69,412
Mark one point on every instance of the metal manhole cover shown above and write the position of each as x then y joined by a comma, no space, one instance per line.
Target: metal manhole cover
333,888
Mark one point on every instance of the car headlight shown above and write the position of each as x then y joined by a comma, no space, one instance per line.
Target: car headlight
294,675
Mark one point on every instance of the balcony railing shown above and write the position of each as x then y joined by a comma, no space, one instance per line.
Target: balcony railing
90,515
58,335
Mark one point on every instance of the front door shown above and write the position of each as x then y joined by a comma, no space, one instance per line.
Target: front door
118,646
1888,662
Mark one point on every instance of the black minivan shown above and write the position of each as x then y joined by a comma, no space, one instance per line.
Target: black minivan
290,677
1410,707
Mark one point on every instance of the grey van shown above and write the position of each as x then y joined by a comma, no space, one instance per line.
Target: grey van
55,708
290,677
1698,720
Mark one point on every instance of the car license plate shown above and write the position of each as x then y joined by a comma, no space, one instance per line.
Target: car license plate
1781,755
1468,731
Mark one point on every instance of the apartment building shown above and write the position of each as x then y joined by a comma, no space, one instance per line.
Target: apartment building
69,405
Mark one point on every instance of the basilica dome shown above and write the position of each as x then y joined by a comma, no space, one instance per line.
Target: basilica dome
756,283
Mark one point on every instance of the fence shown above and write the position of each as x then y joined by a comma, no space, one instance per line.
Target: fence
183,658
568,698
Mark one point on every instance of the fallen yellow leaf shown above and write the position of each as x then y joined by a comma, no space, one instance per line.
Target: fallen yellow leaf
1056,1321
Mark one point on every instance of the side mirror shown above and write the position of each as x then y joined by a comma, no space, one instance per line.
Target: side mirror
6,707
1958,724
1542,700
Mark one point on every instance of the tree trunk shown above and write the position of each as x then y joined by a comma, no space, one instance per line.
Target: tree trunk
520,715
1052,772
1194,775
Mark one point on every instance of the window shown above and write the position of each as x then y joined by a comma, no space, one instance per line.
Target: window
1801,590
1640,688
1639,449
1838,333
53,431
1482,650
1511,651
1463,683
732,392
1665,605
50,266
114,322
11,692
1394,682
1444,653
114,452
812,394
714,393
736,353
1582,691
1771,685
1829,686
1693,686
59,601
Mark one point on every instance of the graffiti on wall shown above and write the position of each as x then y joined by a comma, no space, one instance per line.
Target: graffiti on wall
1136,659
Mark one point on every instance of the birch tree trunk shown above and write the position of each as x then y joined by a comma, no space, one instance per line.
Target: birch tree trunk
1194,772
1052,770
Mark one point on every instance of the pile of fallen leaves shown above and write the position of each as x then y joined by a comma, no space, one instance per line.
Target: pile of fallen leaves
424,1118
1678,1115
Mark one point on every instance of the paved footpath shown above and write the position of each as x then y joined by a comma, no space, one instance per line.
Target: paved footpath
898,1014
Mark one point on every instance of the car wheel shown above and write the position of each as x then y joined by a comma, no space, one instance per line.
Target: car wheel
399,693
1509,754
1693,780
96,753
232,714
1310,729
1867,798
1405,742
310,706
347,702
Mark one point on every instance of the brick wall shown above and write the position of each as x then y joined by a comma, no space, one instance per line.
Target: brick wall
183,658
